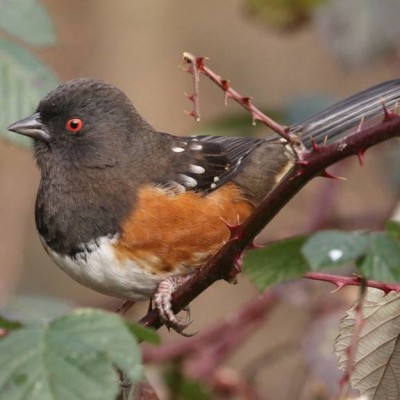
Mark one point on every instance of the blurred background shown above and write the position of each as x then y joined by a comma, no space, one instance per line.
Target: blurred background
292,57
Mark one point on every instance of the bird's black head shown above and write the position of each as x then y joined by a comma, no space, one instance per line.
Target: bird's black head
83,122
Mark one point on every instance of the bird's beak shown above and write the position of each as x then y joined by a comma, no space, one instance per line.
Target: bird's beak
30,126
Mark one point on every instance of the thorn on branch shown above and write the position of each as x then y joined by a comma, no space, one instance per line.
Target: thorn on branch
225,85
191,97
360,155
246,101
235,230
235,270
339,286
227,97
326,174
192,114
302,163
238,261
360,125
254,246
200,63
388,115
315,146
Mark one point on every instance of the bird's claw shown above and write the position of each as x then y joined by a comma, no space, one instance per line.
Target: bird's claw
162,301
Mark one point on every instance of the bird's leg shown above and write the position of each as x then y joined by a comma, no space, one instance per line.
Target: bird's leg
150,305
188,319
125,306
162,300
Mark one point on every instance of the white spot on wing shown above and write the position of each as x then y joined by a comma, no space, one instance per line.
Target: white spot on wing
196,169
188,181
195,146
213,186
176,187
335,254
178,149
216,179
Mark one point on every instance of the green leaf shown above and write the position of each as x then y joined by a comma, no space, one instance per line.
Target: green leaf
142,333
73,357
382,261
277,262
329,249
35,309
9,325
24,80
393,229
27,20
184,388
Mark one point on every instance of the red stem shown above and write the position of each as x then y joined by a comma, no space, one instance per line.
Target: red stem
197,65
342,281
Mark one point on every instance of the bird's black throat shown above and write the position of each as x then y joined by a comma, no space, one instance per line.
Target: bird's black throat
75,208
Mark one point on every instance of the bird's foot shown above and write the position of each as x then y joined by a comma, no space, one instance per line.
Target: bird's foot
162,300
124,307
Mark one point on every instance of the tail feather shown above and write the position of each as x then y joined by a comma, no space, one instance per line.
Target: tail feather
343,118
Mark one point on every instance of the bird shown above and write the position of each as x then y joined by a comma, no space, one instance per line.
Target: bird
133,212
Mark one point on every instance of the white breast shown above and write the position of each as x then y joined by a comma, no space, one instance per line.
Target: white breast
98,268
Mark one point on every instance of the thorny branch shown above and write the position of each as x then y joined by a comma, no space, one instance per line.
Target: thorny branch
342,281
197,65
311,164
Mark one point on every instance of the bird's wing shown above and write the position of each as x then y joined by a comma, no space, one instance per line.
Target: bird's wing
203,163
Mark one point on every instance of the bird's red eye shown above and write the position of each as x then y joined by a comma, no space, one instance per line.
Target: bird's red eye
74,125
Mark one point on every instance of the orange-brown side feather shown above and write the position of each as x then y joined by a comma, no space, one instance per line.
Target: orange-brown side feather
173,234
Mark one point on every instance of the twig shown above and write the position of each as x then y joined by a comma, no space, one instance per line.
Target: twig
194,97
197,65
342,281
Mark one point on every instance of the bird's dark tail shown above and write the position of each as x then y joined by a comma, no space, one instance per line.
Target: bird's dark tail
363,109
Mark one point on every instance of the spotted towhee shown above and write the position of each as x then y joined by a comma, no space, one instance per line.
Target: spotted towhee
127,210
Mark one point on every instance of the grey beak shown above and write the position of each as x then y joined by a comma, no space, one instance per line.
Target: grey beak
30,126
